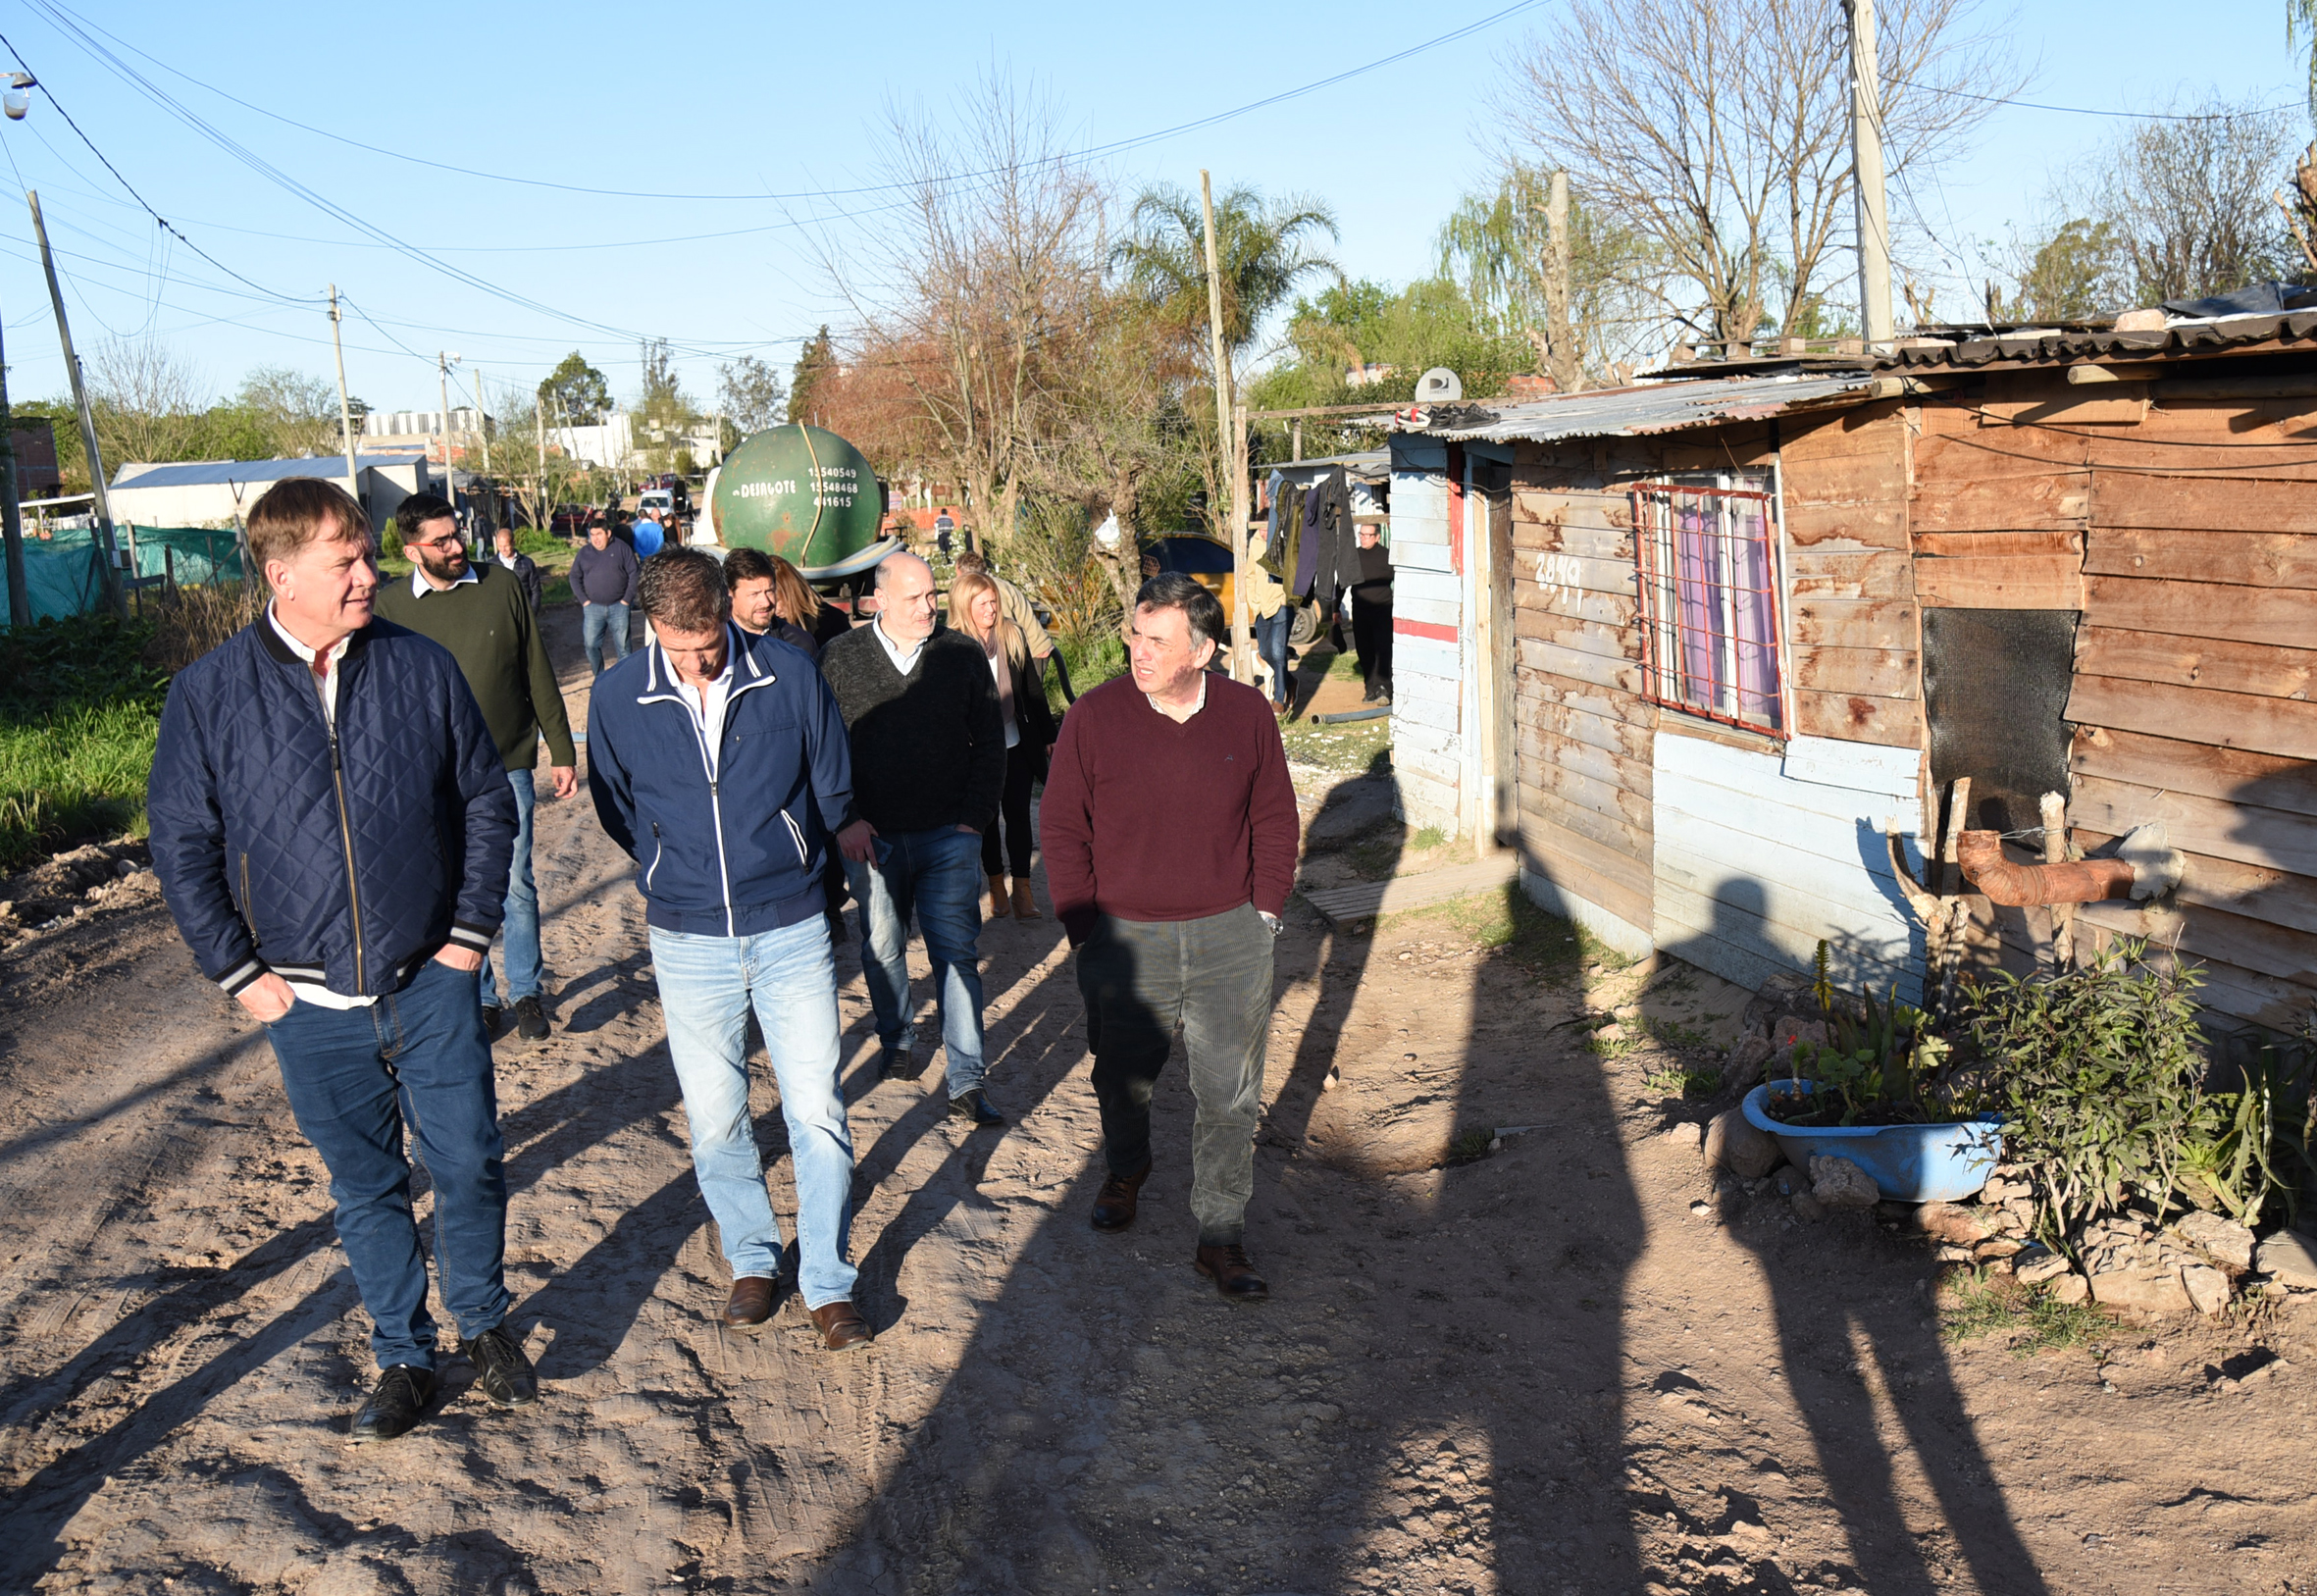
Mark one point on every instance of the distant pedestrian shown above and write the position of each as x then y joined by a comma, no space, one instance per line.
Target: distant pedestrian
769,598
648,536
479,614
1169,828
928,769
603,577
975,612
523,568
1372,616
1269,618
330,826
719,763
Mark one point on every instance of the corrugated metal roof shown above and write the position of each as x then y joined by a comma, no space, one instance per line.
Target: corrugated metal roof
2036,346
1649,407
1366,465
210,473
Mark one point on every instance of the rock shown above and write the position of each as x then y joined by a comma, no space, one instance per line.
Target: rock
1682,1135
1787,1181
1839,1183
1737,1146
2221,1239
2044,1266
2003,1189
2070,1289
2150,320
1807,1207
2147,1290
1778,995
1743,1071
1790,1029
1951,1223
2289,1258
2207,1288
1996,1246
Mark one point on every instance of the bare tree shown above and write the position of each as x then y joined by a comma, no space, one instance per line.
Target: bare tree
2190,201
1719,131
978,297
148,404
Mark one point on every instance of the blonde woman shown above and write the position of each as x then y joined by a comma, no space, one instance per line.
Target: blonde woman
976,610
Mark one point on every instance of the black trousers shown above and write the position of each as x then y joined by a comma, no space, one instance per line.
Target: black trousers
1371,640
1013,808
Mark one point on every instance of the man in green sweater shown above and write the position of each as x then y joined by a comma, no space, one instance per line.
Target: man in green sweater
479,612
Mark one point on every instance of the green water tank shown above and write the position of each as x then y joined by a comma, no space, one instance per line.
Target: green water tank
805,494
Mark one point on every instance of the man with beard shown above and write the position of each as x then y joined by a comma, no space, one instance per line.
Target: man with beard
480,614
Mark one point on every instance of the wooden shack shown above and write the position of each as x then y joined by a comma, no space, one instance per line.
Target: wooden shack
1705,634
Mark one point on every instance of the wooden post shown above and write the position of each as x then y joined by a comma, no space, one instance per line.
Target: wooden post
345,409
1567,374
1866,154
1228,425
108,566
2054,815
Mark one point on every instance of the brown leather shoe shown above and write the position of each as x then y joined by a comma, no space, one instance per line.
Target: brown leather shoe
842,1327
1113,1205
1025,908
1233,1275
997,898
751,1304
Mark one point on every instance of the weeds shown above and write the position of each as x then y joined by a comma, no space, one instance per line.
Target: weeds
1673,1034
1470,1146
1360,744
1429,838
1516,931
1683,1081
2032,1319
73,775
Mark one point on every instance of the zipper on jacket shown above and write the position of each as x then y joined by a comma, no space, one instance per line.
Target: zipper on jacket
796,835
248,914
660,851
345,832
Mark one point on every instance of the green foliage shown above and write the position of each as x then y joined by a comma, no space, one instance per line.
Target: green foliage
1494,245
1683,1081
1264,251
79,712
1515,930
2102,1071
750,394
2076,272
77,663
816,363
1470,1146
575,393
1884,1066
1429,838
2032,1320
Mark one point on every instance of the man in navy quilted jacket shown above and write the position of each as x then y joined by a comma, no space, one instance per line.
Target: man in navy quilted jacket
331,827
719,761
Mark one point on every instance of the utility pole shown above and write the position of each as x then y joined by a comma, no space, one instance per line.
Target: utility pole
1226,426
449,475
12,519
482,421
115,597
1865,144
539,424
345,409
1567,375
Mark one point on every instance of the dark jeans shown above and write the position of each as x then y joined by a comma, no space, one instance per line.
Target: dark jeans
1013,808
1213,977
1271,642
1372,639
354,1078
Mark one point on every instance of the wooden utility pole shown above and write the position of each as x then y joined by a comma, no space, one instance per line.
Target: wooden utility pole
1228,425
1567,375
1866,144
482,421
115,597
449,475
12,519
539,422
345,409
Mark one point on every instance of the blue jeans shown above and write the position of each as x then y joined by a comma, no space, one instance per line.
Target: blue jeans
354,1078
603,628
937,875
707,985
1271,642
520,930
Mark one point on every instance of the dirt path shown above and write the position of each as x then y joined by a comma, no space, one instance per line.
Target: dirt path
1573,1366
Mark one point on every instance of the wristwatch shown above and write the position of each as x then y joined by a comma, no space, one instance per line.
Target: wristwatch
1276,924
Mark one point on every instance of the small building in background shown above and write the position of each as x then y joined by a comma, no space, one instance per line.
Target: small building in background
218,493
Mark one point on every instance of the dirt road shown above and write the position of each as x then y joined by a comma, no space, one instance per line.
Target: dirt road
1573,1366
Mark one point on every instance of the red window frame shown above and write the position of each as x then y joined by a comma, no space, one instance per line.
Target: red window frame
1713,623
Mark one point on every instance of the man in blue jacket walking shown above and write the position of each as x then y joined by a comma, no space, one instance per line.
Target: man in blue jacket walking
332,828
720,763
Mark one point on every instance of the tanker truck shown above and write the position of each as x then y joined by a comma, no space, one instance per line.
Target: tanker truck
805,494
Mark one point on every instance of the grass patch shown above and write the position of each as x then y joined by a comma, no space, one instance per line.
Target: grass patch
1470,1146
1091,659
1360,744
1683,1082
2035,1322
1514,930
1673,1034
1429,838
80,708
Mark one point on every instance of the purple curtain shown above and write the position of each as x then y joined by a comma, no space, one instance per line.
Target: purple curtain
1724,606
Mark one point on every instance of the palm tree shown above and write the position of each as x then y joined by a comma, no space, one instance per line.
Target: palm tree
1265,249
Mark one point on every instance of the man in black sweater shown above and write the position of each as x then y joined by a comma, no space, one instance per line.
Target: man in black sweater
928,768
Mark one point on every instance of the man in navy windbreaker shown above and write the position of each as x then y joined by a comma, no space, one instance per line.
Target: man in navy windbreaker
331,827
719,761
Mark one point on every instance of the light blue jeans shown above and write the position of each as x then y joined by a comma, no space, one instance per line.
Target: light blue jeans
937,875
707,985
603,628
519,932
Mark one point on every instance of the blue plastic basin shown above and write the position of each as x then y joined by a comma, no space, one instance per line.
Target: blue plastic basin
1911,1163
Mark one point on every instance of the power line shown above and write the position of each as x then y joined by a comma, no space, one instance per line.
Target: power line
2093,110
74,24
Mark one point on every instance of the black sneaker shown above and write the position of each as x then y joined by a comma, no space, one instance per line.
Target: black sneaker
972,1106
502,1374
531,1019
490,1018
897,1064
397,1406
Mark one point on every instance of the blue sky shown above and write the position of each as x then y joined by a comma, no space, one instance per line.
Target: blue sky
750,99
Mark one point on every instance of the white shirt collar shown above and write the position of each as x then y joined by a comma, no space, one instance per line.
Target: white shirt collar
338,649
1195,709
420,586
902,660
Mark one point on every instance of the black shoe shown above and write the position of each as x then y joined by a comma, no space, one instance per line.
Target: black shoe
502,1374
491,1019
397,1406
531,1019
976,1107
896,1064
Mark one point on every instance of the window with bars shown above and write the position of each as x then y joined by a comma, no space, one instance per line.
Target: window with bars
1710,623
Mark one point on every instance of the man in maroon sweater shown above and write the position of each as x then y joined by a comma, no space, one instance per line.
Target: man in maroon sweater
1169,828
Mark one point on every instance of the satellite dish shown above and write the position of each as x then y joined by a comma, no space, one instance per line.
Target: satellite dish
1439,386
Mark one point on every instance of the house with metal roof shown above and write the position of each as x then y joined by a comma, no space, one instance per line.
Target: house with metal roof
218,493
1734,658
